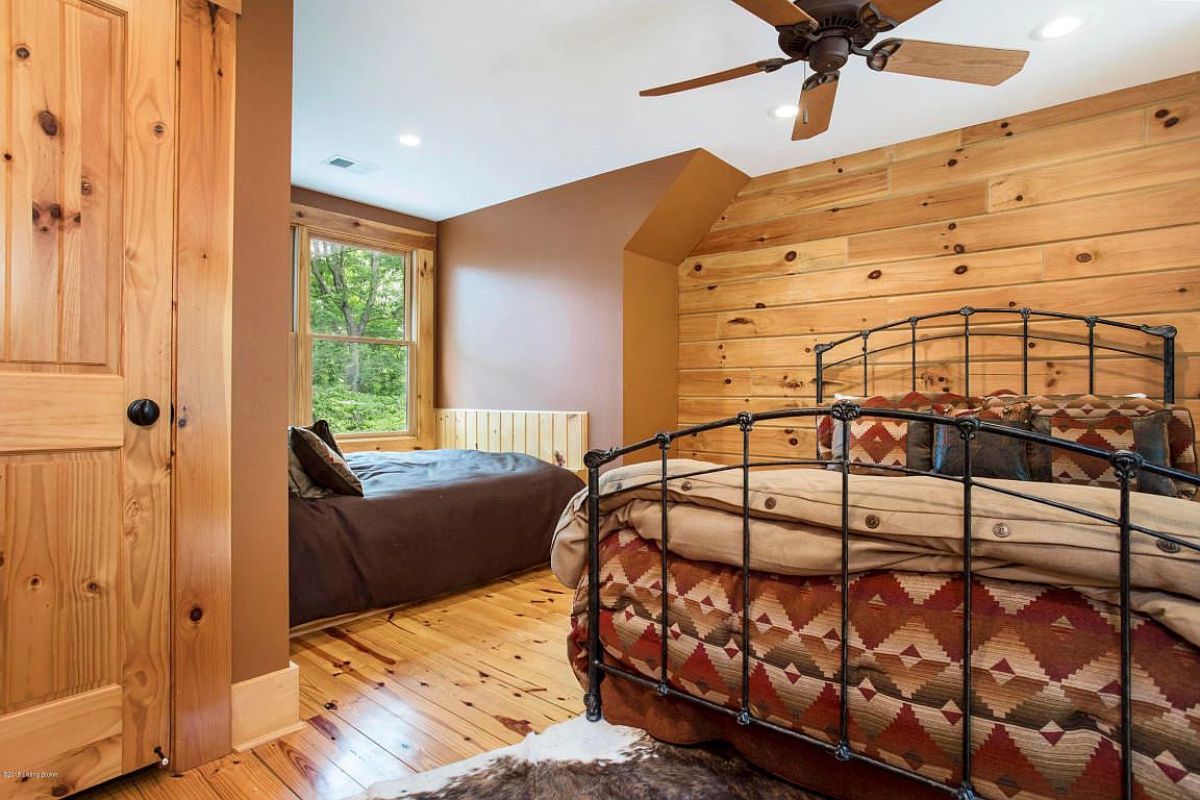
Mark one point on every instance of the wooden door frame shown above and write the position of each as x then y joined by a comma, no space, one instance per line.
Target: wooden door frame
201,609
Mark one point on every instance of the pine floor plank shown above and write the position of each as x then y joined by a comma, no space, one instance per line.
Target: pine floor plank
401,691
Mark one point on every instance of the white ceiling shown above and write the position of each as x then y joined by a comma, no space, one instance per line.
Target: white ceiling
514,96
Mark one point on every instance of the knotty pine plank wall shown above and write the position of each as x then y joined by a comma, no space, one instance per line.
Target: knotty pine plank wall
1092,207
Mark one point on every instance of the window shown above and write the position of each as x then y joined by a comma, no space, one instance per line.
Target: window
363,296
358,320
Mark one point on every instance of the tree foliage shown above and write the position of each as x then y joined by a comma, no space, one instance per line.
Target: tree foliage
358,292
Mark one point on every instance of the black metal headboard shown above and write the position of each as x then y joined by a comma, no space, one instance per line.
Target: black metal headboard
1166,333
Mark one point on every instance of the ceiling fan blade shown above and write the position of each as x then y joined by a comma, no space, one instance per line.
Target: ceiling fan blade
776,12
770,65
950,62
816,106
900,10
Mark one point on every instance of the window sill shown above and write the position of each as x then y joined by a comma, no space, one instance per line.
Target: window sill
384,442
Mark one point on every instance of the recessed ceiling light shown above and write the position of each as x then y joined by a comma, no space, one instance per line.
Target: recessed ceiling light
784,112
1057,28
408,140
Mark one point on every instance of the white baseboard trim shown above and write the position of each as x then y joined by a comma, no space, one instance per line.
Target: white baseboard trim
265,708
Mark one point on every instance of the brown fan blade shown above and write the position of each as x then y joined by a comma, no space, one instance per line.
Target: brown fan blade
776,12
816,106
770,65
900,10
950,62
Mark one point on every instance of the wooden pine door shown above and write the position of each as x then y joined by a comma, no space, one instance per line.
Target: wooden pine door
87,95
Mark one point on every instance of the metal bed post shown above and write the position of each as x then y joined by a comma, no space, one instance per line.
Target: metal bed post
746,423
968,430
1091,326
966,312
1025,313
845,412
866,350
913,321
820,349
664,444
594,674
1126,465
1168,333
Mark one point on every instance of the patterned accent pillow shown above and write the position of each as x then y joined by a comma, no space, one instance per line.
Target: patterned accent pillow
889,443
992,455
323,464
1145,435
1181,430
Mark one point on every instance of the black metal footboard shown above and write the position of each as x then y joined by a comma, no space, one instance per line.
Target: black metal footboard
1127,466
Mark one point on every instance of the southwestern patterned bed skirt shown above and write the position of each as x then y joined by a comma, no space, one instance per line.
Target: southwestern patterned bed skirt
1047,707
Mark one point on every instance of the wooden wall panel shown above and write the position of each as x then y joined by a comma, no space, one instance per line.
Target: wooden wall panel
1091,207
557,437
204,278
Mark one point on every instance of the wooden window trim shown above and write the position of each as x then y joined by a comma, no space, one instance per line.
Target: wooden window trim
308,221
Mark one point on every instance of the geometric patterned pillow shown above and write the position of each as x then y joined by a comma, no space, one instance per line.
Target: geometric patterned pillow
1181,430
875,442
1145,435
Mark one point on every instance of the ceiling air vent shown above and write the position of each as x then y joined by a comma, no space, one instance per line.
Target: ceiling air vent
350,164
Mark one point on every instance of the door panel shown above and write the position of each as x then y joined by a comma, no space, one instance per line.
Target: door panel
87,94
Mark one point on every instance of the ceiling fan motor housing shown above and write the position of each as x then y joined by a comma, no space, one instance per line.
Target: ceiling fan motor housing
842,24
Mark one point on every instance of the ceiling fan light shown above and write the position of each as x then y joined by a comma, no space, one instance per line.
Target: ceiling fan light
1057,28
788,111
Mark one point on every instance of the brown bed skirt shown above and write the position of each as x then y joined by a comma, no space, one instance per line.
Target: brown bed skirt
679,722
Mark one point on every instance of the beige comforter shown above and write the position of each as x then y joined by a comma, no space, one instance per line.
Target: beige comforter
909,524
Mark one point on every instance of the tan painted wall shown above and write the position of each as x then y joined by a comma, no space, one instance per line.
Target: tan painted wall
530,296
1091,207
261,321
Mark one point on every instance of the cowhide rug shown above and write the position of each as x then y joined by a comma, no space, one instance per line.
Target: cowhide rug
581,760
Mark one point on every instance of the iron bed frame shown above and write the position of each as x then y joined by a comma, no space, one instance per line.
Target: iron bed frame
1126,466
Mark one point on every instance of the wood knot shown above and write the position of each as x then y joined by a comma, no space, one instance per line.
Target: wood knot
1004,125
952,162
1162,112
35,581
159,128
85,188
22,52
739,321
48,123
1020,198
875,275
728,381
872,521
56,211
1083,258
60,791
8,156
1171,123
960,249
961,269
793,441
760,305
698,268
196,614
791,256
953,226
92,587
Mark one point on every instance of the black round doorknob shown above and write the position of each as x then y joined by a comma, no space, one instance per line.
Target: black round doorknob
143,412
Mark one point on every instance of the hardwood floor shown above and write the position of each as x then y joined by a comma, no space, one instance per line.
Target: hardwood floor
401,692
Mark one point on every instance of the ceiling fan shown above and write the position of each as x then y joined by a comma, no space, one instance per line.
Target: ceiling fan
825,33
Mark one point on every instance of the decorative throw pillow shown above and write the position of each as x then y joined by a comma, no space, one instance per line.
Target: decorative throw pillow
876,442
1145,435
299,483
323,464
993,455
